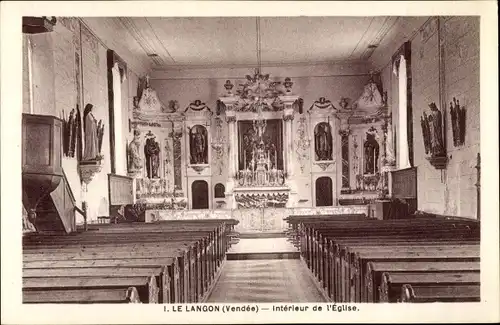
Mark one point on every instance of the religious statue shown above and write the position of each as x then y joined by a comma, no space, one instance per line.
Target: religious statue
323,142
173,106
149,100
370,99
220,108
100,135
458,117
90,127
371,154
198,145
136,102
389,143
72,133
435,123
152,153
135,160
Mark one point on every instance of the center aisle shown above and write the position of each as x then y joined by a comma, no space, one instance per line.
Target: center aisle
264,280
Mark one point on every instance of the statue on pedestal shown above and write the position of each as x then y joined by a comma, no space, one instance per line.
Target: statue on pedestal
323,142
371,153
198,144
370,99
389,144
152,153
91,129
436,131
135,160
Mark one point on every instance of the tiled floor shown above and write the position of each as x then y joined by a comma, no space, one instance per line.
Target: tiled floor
264,281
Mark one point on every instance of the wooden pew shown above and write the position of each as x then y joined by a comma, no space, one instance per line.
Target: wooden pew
374,271
357,267
171,265
336,256
320,258
151,241
341,267
314,246
294,222
159,272
220,246
312,230
392,282
145,285
178,250
94,245
455,293
79,296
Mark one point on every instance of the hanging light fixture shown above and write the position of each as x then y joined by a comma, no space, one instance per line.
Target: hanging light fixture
261,87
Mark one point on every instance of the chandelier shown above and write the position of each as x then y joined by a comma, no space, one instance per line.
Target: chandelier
258,92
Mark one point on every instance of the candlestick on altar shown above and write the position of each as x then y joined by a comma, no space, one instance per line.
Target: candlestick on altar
275,160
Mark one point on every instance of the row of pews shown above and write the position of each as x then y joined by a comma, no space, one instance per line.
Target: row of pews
418,259
174,261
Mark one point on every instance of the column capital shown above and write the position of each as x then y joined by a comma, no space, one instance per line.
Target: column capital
229,101
231,119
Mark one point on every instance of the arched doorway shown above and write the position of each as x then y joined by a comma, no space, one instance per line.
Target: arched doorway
199,194
324,192
219,191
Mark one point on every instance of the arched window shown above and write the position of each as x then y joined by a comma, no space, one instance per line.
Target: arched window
404,128
118,76
199,194
219,191
324,192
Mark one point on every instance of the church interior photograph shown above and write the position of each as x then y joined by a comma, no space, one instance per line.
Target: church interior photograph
305,159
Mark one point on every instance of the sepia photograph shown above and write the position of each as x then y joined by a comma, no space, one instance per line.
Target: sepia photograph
280,163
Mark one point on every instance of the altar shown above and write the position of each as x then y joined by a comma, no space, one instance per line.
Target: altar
258,154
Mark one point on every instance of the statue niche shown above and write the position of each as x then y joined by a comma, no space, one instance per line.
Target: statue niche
198,140
152,154
323,141
371,154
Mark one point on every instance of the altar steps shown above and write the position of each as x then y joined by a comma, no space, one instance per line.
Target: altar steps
270,248
263,256
257,235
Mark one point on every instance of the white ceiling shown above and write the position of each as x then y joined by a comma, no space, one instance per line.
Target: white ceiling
224,41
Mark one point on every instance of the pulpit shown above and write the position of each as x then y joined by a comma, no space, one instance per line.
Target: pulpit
41,159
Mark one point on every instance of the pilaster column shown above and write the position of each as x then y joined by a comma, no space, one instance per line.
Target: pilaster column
288,115
388,159
232,149
177,133
288,118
